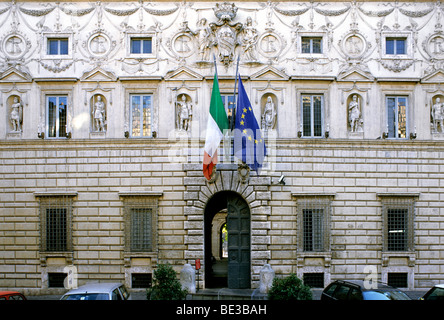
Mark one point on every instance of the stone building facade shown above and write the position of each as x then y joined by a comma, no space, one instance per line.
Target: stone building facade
103,112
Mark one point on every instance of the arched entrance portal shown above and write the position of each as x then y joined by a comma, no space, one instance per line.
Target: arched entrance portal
234,270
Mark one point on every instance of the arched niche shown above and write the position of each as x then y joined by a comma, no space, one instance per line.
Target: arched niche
98,107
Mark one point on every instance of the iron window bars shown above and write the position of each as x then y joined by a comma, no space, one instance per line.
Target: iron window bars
56,223
398,223
314,224
140,216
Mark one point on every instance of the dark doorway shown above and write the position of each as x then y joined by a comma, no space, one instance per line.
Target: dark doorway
232,270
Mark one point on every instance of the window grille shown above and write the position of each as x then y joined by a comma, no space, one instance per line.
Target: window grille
141,280
397,229
314,224
140,223
141,233
398,216
56,223
56,279
313,229
56,233
397,279
314,279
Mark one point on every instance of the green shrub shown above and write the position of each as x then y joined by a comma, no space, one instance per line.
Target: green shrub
165,286
289,288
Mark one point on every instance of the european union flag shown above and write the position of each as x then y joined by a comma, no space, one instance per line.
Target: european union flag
249,146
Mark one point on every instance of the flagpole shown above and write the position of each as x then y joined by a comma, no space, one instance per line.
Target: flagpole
215,66
233,111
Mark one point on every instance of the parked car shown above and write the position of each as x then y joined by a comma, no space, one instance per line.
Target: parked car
11,295
98,291
356,290
435,293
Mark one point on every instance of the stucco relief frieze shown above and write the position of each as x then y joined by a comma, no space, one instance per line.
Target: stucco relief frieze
185,33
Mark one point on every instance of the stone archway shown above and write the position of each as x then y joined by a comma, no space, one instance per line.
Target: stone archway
235,271
205,199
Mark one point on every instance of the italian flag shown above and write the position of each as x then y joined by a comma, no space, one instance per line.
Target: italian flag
217,123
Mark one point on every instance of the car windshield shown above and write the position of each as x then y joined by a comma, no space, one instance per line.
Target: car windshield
436,294
87,296
385,295
125,292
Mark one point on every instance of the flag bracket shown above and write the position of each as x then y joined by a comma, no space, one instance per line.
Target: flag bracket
244,172
214,175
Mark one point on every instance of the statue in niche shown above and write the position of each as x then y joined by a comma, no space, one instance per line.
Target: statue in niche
16,115
354,114
249,40
437,116
184,113
269,115
99,114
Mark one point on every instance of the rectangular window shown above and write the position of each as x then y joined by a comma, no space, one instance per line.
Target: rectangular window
397,279
141,115
56,279
141,45
397,229
311,45
397,117
56,223
314,280
140,216
141,280
313,229
395,46
56,229
398,224
313,224
141,229
57,110
312,115
229,103
58,46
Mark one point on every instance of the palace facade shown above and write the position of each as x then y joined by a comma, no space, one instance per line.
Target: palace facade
103,113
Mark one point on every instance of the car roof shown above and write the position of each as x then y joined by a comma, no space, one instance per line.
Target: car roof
7,293
362,284
441,285
99,287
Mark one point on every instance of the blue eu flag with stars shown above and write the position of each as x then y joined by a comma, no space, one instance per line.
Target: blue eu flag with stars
249,145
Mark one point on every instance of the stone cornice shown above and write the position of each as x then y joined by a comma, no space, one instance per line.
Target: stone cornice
282,142
55,193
